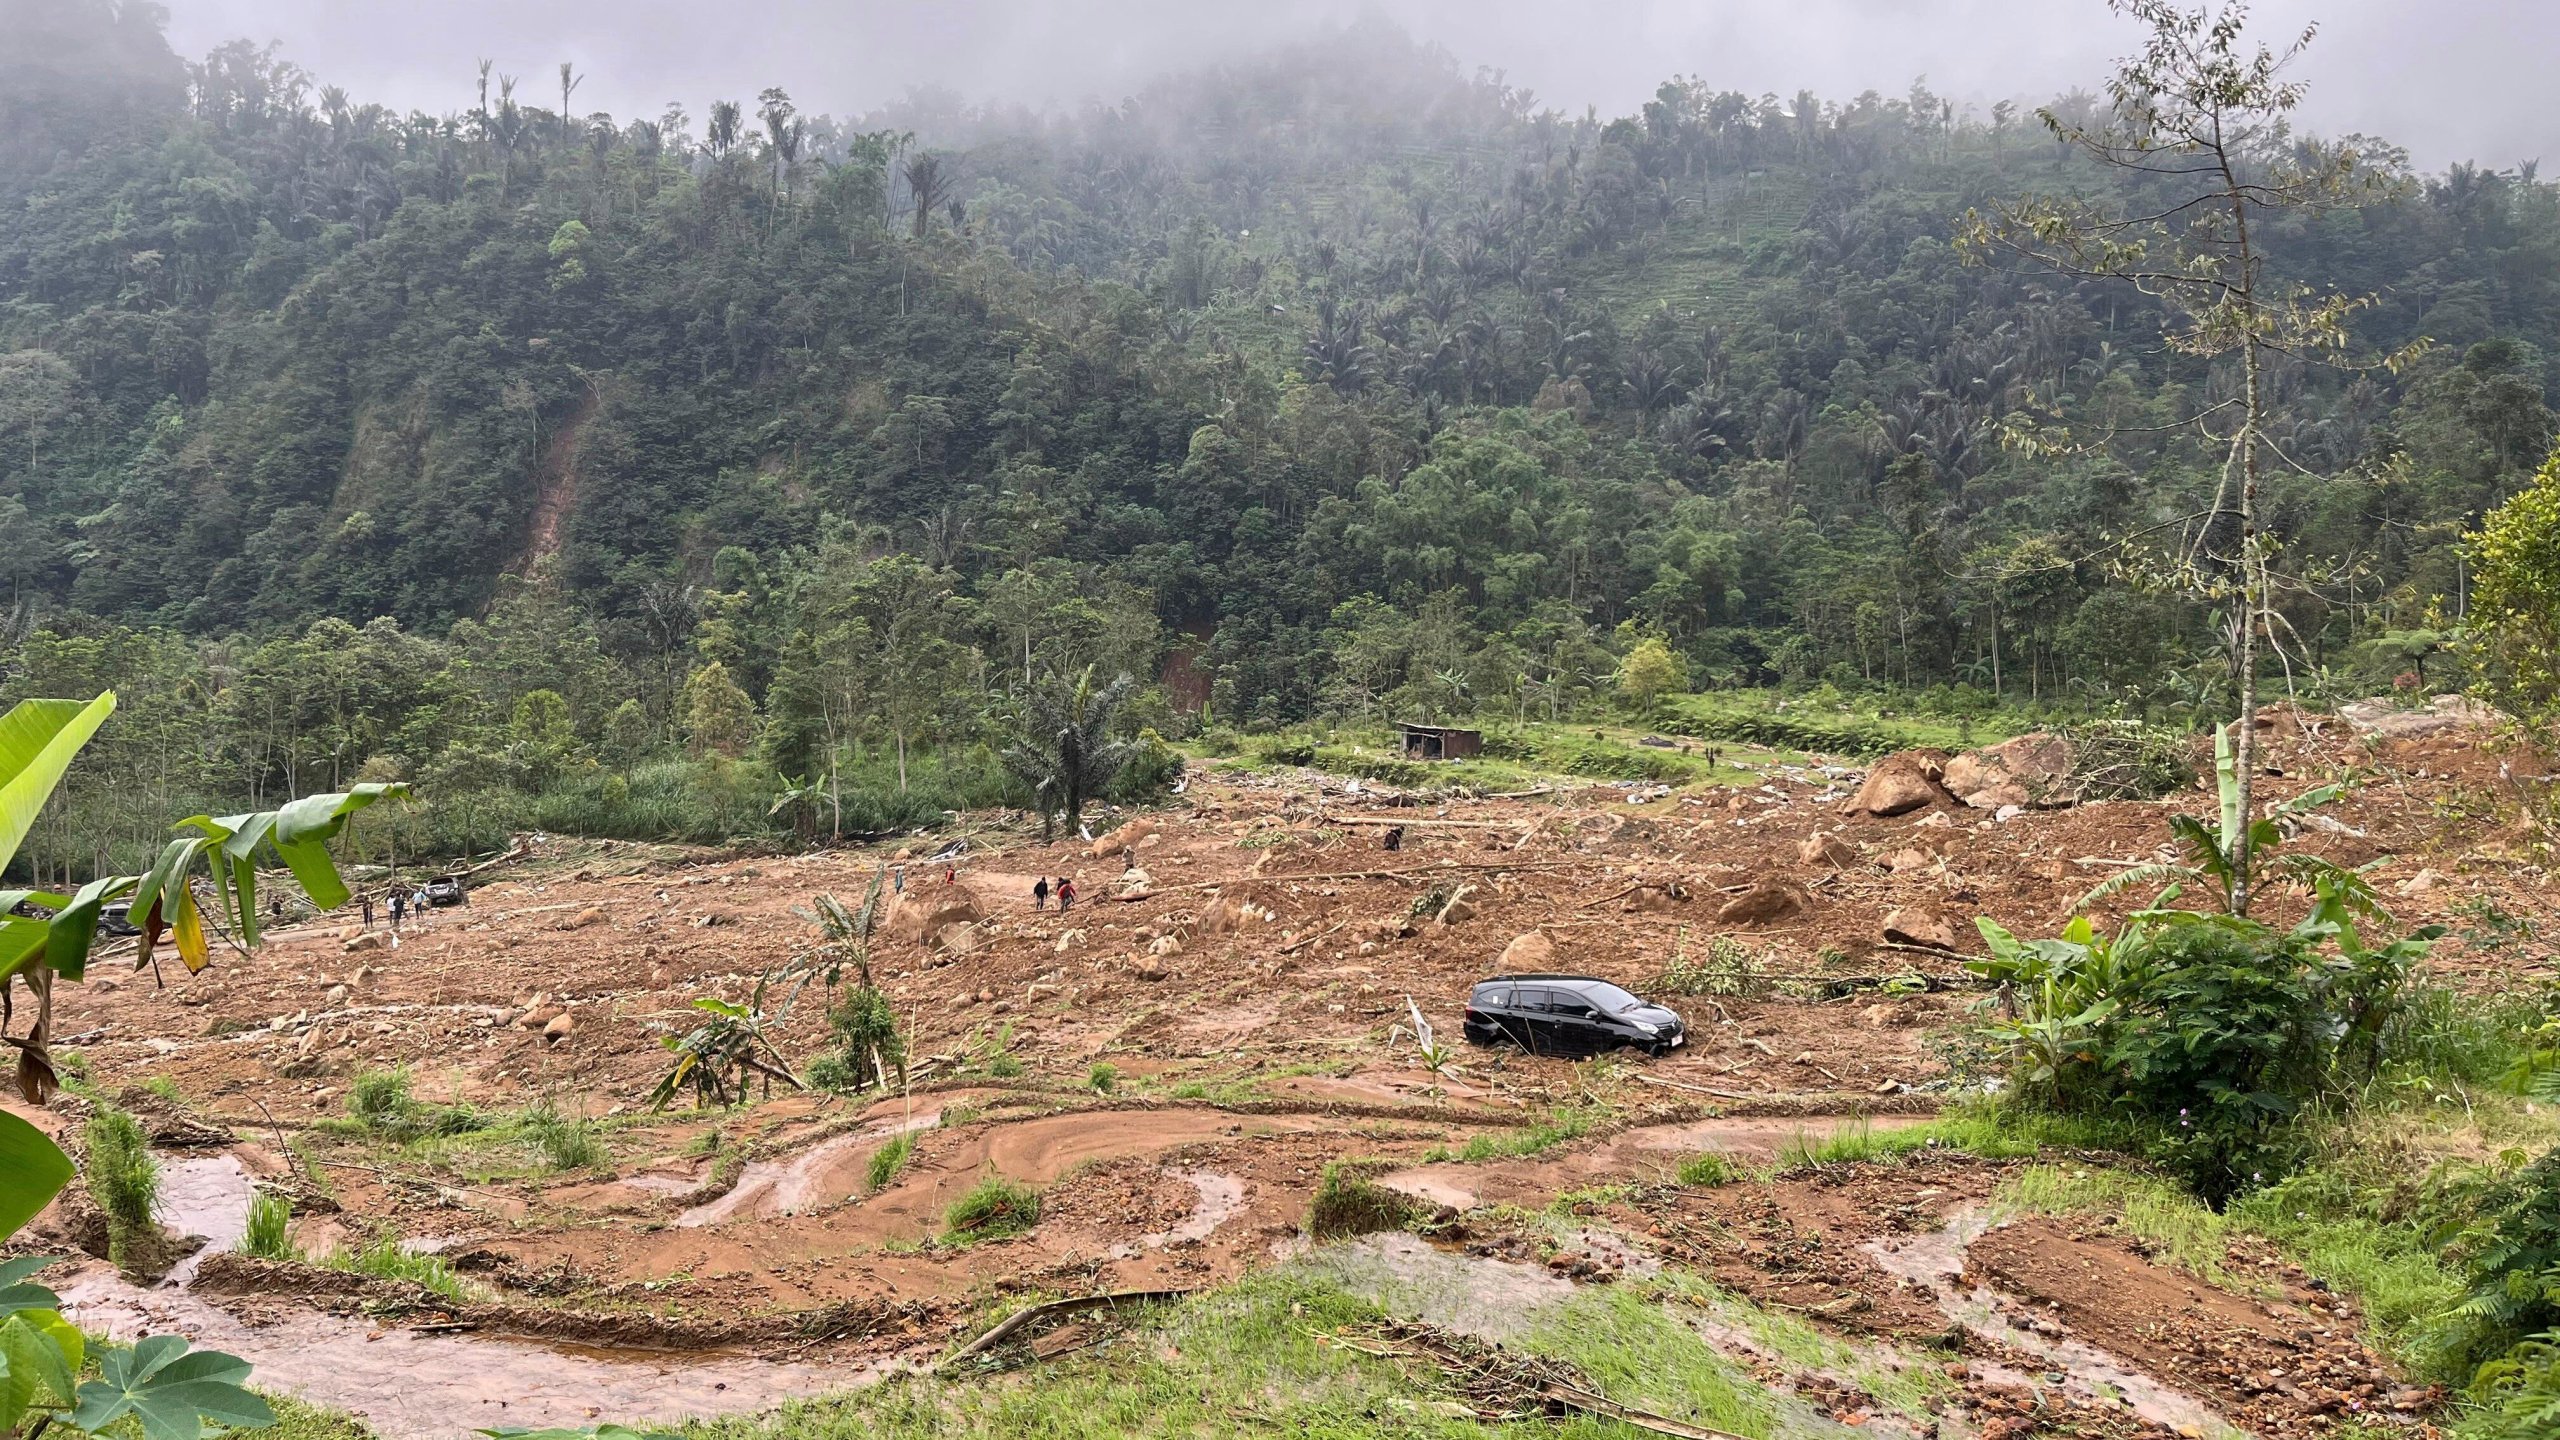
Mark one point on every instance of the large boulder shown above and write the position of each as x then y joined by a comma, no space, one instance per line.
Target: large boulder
1124,838
928,910
2029,771
1530,954
1770,899
1901,783
1823,847
1237,908
1917,927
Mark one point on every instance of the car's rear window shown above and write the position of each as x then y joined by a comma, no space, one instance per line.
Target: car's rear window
1493,995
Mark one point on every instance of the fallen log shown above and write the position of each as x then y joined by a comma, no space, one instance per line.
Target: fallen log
1073,1306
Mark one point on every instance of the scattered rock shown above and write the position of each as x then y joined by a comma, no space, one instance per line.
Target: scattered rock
1919,927
592,915
1460,908
1770,899
1823,847
560,1027
2421,883
960,939
1068,940
1901,783
337,995
538,1015
1165,945
370,940
1909,859
2030,770
1238,907
1530,954
1148,967
1135,881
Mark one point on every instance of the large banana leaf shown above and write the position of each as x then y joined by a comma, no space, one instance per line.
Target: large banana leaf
298,834
32,1171
38,740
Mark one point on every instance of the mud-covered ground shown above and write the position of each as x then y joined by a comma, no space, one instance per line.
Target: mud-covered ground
1242,963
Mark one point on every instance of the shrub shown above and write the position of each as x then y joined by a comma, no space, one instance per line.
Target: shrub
269,1234
1103,1078
2213,1031
1347,1202
2512,1267
889,1159
994,1207
125,1182
864,1028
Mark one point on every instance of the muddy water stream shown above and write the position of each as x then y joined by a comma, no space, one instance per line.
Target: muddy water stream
421,1387
1934,1262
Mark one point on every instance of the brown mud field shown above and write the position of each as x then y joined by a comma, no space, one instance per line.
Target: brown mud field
1173,1064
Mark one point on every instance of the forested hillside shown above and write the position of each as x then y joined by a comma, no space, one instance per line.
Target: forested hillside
507,443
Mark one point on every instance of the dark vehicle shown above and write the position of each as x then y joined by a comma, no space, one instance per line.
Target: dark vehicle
1568,1015
446,892
116,920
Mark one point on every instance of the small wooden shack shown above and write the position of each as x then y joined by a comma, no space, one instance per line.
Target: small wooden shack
1441,742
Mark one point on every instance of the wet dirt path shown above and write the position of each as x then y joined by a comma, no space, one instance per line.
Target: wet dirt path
409,1386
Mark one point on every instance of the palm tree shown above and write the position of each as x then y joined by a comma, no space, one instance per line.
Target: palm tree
1066,753
929,183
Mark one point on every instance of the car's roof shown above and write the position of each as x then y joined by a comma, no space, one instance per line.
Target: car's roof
1546,979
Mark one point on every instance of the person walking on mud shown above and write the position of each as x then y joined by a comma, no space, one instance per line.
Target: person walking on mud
364,905
1066,893
1040,894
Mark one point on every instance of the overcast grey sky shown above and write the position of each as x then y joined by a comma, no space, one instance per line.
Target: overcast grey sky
2450,79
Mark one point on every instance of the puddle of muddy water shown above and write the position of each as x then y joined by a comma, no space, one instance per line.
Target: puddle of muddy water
1221,1200
1934,1262
429,1387
206,1197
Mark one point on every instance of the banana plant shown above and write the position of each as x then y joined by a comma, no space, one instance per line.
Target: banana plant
2236,855
46,936
171,1391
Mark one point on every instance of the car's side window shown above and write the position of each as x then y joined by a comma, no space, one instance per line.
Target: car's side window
1497,998
1530,1000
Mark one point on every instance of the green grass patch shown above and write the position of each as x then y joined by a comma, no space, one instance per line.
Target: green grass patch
125,1182
383,1259
270,1224
564,1142
1563,1124
1251,1358
1708,1169
1103,1078
381,1106
889,1160
1637,1353
992,1209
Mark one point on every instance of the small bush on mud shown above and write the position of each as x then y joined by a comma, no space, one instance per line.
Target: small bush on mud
269,1234
1103,1078
888,1160
379,1104
993,1208
1347,1202
868,1045
565,1143
1726,968
125,1181
1708,1169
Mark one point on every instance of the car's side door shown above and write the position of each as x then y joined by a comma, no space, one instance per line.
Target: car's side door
1525,1020
1575,1022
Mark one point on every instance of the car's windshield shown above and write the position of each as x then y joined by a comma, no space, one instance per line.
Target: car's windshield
1609,997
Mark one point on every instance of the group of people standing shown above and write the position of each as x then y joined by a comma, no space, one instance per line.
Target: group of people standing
406,904
1065,890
